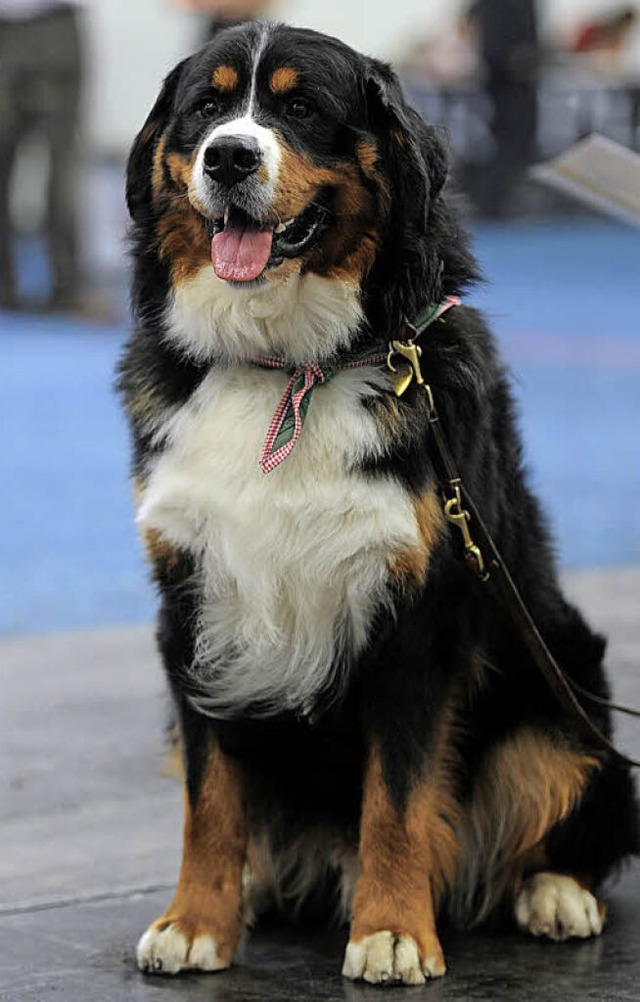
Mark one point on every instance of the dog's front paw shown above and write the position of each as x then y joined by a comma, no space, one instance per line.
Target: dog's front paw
168,947
385,957
557,907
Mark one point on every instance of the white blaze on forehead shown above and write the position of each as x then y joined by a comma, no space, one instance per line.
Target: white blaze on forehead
261,46
246,126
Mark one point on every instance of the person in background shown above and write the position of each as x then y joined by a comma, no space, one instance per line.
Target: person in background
448,57
224,13
40,89
508,42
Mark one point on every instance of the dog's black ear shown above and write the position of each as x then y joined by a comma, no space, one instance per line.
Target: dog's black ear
140,163
416,156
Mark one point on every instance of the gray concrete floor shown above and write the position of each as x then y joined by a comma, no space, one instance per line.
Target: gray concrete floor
90,838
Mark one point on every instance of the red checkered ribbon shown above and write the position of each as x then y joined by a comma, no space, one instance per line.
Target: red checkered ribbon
286,424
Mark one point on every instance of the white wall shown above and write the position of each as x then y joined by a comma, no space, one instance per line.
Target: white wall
132,46
377,27
136,42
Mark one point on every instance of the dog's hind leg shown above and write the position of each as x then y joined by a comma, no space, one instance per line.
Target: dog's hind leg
559,901
201,927
539,821
407,854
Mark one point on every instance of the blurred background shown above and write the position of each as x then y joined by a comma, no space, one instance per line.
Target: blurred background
513,81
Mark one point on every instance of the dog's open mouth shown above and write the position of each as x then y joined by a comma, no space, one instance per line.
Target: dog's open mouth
243,248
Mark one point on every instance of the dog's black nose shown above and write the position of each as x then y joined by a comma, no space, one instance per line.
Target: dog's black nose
230,159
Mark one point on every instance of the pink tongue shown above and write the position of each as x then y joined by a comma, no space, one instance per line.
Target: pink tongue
240,255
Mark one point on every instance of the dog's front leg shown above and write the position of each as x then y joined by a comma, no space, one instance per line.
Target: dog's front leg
407,852
201,927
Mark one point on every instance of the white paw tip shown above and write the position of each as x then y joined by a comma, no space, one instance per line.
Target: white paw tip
162,951
384,957
203,955
167,951
407,962
354,959
557,907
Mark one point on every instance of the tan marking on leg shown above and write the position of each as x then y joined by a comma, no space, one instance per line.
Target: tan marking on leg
225,78
525,786
534,781
430,518
410,565
157,549
283,80
203,917
406,861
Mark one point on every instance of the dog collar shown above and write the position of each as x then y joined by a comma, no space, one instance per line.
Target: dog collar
289,417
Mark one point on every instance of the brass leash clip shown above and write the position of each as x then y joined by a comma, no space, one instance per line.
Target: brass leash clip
458,516
402,375
404,372
412,352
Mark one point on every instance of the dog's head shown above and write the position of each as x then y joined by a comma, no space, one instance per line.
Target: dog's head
276,152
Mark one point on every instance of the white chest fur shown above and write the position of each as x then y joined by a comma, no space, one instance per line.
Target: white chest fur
292,564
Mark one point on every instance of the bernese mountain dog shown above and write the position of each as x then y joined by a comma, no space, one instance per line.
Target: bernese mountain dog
361,727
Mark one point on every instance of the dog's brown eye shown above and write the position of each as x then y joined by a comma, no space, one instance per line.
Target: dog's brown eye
207,108
297,108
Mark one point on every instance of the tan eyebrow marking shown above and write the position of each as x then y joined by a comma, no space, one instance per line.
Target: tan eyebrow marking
283,79
225,78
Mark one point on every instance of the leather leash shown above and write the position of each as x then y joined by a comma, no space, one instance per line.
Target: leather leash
481,553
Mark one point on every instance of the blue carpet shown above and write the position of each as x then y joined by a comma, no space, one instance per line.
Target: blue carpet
68,552
563,300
